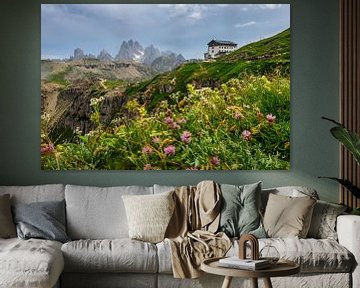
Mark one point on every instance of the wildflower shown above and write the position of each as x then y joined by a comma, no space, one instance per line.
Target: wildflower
238,116
169,150
192,168
96,101
78,131
181,120
186,137
171,123
47,148
147,150
259,115
271,118
174,125
246,134
148,167
168,120
156,139
214,160
45,116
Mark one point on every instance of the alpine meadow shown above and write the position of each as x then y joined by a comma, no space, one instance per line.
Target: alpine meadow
166,111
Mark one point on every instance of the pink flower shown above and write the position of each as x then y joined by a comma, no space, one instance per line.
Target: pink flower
246,134
186,137
147,150
47,149
168,120
171,123
169,150
214,160
174,125
238,116
271,118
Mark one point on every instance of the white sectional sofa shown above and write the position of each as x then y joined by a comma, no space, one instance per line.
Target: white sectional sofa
102,255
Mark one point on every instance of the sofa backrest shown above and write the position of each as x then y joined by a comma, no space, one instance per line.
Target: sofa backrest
98,212
35,193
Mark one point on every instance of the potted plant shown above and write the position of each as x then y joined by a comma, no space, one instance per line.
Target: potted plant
351,141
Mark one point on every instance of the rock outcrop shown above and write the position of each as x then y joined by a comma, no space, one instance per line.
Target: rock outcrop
105,56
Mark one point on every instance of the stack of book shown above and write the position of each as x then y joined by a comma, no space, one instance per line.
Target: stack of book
248,264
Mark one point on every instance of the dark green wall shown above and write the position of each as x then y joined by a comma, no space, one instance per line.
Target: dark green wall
314,93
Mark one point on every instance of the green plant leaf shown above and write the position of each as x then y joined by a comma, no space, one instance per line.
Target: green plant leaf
347,184
348,138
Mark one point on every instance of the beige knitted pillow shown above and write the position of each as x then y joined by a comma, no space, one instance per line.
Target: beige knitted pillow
149,215
288,217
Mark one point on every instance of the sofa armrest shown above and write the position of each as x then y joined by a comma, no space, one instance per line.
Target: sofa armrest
348,230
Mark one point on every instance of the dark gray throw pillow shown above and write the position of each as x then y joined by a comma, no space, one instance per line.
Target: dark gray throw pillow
240,213
7,226
44,220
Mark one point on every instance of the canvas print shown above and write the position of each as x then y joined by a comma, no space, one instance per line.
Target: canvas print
165,86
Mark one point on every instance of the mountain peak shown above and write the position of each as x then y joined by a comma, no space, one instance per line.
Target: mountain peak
105,56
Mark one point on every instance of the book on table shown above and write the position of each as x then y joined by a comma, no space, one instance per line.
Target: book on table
249,264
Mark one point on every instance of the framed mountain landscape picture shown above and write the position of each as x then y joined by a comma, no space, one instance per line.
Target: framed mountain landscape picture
165,86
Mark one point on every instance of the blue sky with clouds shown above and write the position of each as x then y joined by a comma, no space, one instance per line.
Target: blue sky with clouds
181,28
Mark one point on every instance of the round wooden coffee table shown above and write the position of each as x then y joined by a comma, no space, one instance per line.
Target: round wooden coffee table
281,268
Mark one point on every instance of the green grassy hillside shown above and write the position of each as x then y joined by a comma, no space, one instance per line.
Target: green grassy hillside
276,48
265,57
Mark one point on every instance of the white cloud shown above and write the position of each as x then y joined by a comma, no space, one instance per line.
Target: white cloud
222,5
241,25
270,6
189,11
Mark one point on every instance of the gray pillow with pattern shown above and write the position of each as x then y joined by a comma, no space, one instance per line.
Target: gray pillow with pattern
323,222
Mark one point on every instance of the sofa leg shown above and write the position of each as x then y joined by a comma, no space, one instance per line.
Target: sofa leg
267,283
227,282
254,282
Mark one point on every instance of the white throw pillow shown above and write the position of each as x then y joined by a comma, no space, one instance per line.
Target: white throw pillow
149,215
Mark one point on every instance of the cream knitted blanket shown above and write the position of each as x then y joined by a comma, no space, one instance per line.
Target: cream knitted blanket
191,231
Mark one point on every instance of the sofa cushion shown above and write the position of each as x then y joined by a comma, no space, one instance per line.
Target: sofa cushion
43,220
313,255
36,193
116,255
149,215
98,213
30,263
287,216
240,212
7,226
323,222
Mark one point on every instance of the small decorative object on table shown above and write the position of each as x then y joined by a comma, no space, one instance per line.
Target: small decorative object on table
241,261
280,268
254,246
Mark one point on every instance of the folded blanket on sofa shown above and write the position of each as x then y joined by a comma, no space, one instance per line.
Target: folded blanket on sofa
191,231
